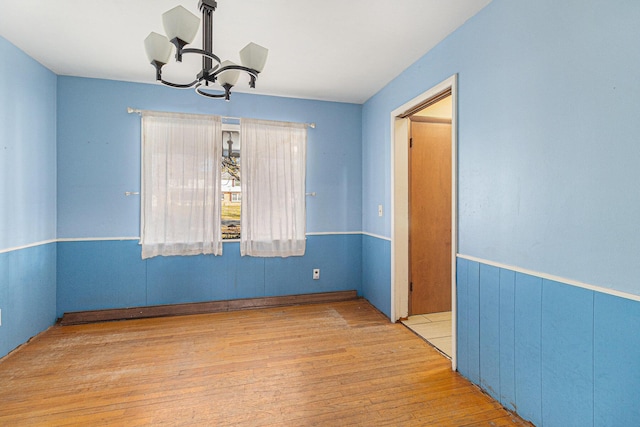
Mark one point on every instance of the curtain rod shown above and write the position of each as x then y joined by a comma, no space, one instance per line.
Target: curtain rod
139,112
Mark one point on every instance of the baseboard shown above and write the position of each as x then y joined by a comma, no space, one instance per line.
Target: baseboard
80,317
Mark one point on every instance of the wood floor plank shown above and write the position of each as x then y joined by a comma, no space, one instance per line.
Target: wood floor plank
339,363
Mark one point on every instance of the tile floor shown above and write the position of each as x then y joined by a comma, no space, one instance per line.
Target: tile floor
434,327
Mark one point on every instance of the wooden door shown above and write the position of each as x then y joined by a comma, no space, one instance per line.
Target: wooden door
430,218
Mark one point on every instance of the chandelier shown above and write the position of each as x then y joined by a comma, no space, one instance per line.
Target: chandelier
181,27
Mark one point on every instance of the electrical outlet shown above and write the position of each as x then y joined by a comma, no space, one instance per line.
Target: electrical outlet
316,274
379,210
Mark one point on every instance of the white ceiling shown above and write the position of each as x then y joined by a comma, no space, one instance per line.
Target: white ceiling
336,50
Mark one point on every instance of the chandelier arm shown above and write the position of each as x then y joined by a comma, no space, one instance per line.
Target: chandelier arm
253,74
225,95
247,70
179,85
210,95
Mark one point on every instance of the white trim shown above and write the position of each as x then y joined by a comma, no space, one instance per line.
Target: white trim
311,233
400,291
546,276
454,221
400,218
377,236
330,233
96,239
30,245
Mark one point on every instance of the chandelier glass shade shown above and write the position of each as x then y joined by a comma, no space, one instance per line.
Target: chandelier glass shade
181,27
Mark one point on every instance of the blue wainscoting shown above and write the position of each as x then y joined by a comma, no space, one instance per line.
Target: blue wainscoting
111,274
616,360
27,294
557,354
376,272
95,275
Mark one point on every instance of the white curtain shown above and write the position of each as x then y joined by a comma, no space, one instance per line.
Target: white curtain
181,188
273,217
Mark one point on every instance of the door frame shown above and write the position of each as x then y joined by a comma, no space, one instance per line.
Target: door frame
399,143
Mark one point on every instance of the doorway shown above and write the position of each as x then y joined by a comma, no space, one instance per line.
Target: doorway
401,129
430,223
430,209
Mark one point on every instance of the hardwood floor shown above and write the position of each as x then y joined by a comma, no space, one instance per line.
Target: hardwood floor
333,364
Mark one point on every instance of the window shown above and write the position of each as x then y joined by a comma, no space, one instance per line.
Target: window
231,188
195,192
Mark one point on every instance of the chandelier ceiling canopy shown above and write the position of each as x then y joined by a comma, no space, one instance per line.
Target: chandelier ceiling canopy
181,27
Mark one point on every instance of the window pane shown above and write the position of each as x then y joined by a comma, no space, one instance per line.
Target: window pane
231,193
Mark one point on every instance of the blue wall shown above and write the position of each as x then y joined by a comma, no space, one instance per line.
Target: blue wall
558,354
69,151
99,159
547,127
27,149
376,272
99,152
27,197
548,122
27,294
95,275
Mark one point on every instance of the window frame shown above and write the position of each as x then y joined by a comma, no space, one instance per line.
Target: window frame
230,127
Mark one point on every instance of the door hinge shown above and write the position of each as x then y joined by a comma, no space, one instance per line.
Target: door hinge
410,286
410,142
